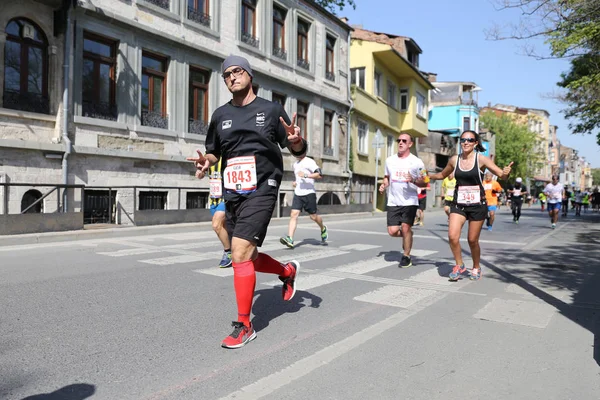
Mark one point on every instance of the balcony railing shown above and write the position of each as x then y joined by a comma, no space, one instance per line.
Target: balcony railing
328,151
330,76
198,16
303,64
198,127
251,40
280,53
100,111
166,4
155,119
468,102
30,102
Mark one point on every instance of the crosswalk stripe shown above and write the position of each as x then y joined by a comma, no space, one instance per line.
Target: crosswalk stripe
395,296
431,275
214,271
306,282
130,252
363,267
359,247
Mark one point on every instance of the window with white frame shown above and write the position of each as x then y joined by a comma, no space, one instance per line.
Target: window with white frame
391,94
377,84
404,99
357,77
363,137
421,105
390,145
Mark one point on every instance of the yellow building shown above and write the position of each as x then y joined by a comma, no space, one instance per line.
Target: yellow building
390,96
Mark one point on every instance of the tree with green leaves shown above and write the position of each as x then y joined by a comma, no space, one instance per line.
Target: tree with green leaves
514,143
572,30
333,5
596,176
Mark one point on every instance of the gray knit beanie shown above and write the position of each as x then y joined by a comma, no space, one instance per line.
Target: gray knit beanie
237,61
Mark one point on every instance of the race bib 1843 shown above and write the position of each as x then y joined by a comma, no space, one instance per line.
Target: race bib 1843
240,174
468,195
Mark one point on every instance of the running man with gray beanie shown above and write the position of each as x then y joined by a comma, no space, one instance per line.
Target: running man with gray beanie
247,134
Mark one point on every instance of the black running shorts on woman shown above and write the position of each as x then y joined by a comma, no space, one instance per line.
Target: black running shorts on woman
398,215
469,193
307,202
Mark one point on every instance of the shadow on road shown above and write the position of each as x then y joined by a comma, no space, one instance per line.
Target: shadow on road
78,391
312,242
269,305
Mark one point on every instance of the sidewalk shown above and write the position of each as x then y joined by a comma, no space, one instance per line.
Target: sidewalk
560,268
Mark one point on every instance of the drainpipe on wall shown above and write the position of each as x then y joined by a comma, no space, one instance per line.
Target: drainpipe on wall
348,122
66,99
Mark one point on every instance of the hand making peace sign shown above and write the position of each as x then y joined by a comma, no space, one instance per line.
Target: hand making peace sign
201,163
292,130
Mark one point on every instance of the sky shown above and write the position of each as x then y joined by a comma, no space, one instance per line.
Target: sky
451,34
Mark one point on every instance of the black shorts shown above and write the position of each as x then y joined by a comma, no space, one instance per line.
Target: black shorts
423,203
248,217
307,202
447,203
398,215
471,213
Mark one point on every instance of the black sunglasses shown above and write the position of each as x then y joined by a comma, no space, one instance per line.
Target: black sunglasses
470,140
402,140
235,72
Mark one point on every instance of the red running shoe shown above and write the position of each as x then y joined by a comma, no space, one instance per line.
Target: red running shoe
240,336
289,283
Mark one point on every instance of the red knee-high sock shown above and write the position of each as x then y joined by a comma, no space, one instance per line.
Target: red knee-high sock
244,281
266,263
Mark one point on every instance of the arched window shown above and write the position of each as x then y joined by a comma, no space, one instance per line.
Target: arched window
25,67
30,197
329,198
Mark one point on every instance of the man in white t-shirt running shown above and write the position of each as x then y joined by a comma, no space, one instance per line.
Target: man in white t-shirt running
306,171
404,174
555,193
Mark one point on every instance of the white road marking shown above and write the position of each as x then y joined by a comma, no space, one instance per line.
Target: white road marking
359,247
311,256
269,384
130,252
395,296
369,233
214,271
526,313
366,266
431,275
306,282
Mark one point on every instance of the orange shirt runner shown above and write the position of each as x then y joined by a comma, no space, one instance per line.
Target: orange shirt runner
492,188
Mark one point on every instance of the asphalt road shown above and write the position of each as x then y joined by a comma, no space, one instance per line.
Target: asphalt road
140,314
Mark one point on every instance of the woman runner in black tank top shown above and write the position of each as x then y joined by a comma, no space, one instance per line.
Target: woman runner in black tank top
469,199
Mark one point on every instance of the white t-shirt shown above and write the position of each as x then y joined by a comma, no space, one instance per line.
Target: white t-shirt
305,186
554,193
400,171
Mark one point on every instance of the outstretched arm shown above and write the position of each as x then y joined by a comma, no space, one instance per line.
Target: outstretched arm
446,171
487,162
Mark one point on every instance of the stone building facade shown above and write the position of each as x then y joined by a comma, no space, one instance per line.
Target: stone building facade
144,79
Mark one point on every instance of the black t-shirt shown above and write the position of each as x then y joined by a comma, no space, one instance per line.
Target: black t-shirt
518,190
250,130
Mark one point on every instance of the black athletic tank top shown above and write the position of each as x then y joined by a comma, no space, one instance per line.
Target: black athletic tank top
472,177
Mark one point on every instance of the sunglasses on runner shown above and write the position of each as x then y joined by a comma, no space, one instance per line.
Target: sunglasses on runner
402,140
470,140
235,72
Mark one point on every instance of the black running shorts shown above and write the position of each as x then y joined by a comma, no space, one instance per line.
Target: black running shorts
471,213
398,215
423,204
248,217
307,202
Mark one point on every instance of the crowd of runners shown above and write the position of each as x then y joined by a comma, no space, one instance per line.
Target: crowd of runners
245,165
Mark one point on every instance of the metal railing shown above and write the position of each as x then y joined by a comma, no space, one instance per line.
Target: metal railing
60,197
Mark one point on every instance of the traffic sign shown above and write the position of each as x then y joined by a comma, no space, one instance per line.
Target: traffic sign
378,141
